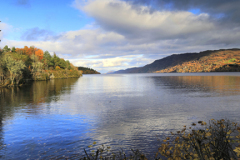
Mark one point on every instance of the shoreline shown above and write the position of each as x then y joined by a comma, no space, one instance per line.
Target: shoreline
46,78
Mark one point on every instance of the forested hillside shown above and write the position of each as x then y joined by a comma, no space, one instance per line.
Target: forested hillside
30,63
86,70
224,60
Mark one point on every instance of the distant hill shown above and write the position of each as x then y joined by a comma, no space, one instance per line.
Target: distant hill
87,70
223,60
110,72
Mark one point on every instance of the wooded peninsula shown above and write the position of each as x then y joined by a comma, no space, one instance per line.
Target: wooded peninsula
18,65
87,70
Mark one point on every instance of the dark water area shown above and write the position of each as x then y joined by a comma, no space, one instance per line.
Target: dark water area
59,118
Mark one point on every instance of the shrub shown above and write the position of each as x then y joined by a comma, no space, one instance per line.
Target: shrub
217,141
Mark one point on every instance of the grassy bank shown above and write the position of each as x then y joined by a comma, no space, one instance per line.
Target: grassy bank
57,74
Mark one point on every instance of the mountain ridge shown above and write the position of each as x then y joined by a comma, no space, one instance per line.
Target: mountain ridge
205,61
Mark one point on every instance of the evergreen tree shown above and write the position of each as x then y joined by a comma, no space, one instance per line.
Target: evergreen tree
13,49
62,64
47,60
6,49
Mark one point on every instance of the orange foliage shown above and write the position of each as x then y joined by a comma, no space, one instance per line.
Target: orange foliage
26,50
30,51
39,53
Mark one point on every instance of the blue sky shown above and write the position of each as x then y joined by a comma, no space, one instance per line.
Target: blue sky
54,16
117,34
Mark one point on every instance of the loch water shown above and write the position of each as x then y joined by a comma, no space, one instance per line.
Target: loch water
57,119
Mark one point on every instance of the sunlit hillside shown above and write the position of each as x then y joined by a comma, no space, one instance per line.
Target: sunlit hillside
209,61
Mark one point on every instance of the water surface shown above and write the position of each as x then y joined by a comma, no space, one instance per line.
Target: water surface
59,118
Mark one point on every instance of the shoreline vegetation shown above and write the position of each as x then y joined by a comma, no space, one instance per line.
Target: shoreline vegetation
20,65
217,140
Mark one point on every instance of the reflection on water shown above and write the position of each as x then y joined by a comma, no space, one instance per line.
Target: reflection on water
61,117
37,92
211,85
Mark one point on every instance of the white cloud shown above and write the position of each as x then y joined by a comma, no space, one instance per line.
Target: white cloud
114,62
132,22
117,63
5,28
77,43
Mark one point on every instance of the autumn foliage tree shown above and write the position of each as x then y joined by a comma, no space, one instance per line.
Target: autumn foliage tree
30,51
39,53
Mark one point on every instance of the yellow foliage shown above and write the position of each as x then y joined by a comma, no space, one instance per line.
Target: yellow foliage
168,153
229,132
208,134
237,150
57,68
89,146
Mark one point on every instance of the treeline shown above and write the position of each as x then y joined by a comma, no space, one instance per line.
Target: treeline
30,63
87,70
